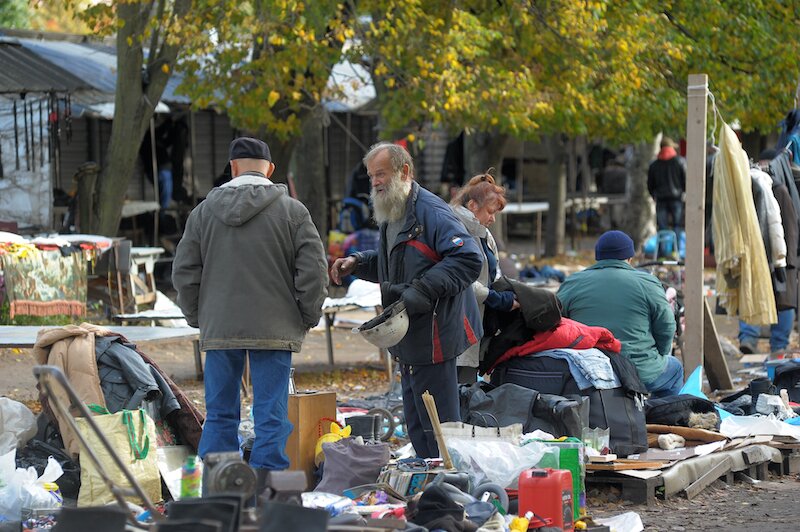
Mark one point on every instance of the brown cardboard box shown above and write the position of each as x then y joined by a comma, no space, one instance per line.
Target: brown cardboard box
305,412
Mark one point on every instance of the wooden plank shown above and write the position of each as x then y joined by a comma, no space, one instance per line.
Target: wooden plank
620,466
708,477
692,351
719,376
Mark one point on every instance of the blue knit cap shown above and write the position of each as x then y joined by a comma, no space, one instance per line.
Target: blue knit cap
613,245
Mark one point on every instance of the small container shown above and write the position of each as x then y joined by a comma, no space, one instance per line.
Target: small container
191,477
54,491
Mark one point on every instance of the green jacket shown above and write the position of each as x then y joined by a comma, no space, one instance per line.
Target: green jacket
628,302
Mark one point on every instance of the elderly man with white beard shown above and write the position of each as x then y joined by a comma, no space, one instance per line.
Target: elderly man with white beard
427,259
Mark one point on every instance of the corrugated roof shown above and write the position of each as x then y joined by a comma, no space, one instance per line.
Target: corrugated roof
23,71
96,64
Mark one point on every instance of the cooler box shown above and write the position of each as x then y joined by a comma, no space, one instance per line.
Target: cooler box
548,494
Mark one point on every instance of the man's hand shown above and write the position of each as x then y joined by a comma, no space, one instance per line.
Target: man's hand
515,305
342,268
417,299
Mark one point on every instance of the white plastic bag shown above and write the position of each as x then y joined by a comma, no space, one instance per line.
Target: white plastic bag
17,425
494,461
24,488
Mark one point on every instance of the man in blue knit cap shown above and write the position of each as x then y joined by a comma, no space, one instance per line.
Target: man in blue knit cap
632,305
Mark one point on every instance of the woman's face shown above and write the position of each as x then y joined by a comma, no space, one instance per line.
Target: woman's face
485,213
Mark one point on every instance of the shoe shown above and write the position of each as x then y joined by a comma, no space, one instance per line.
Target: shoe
747,349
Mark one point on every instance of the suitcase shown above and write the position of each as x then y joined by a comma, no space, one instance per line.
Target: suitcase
619,410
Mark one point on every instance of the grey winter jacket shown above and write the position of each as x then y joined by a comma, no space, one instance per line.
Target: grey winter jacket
250,270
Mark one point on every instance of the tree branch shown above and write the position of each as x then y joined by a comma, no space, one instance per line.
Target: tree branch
722,59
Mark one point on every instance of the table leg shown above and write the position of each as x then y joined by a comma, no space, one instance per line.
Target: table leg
329,335
198,360
538,234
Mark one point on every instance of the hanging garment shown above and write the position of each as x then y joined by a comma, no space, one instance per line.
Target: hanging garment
788,298
743,278
781,170
777,242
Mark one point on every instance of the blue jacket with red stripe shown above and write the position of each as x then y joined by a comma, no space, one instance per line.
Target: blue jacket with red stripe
434,247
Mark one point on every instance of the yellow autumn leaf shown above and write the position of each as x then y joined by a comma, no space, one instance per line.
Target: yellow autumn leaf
273,98
165,68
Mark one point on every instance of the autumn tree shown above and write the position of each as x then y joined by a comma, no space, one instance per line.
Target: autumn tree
268,67
150,36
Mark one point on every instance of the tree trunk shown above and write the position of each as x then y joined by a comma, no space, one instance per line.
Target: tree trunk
572,189
639,217
556,196
134,104
483,151
309,174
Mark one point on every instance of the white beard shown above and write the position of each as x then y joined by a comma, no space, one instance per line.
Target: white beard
390,206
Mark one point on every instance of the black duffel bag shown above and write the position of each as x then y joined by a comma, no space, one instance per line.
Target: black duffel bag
620,410
675,410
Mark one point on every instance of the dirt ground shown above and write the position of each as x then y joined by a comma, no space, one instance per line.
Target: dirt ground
771,505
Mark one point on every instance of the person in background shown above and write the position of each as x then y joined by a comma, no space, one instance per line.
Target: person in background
251,272
476,205
632,305
666,182
429,261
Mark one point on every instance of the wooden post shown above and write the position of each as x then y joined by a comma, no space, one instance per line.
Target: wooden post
156,191
695,221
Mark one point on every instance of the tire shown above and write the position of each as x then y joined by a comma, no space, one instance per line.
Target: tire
386,423
493,489
399,419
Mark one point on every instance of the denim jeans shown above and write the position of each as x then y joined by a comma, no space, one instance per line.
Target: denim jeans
669,382
669,210
269,371
778,333
164,188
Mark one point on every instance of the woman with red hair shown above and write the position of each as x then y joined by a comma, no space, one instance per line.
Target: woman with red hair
476,205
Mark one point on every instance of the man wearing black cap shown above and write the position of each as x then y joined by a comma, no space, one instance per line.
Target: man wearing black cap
250,271
632,305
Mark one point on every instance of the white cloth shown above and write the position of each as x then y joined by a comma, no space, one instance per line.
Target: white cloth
777,241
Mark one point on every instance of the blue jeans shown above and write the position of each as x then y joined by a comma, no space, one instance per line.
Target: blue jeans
669,210
669,382
269,371
164,187
778,333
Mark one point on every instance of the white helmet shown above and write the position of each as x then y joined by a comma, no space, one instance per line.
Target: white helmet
387,329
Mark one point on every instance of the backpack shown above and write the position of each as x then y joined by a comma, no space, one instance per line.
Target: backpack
353,215
676,409
788,376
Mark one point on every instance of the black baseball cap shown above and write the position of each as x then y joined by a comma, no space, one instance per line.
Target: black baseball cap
249,148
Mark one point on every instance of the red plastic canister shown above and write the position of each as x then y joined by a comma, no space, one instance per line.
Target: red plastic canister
548,494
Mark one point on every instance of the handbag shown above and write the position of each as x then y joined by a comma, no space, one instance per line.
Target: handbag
132,434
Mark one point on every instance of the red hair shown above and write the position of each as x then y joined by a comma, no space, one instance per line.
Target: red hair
481,189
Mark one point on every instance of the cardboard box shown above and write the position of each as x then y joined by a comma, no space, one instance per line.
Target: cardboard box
305,412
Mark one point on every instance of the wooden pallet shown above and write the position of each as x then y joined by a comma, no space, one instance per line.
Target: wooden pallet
635,490
791,461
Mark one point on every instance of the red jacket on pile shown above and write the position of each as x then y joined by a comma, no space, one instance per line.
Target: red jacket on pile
568,334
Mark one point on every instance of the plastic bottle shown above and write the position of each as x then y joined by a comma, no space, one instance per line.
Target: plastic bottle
54,491
190,478
520,524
